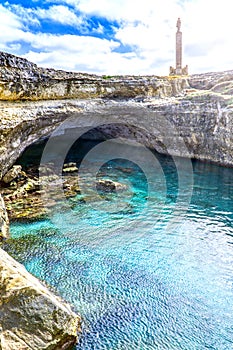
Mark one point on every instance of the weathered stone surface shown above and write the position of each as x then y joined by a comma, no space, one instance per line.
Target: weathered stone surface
199,106
204,122
107,185
31,316
211,81
70,168
23,80
24,123
4,221
12,174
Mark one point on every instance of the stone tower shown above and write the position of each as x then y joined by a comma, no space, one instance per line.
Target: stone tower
179,70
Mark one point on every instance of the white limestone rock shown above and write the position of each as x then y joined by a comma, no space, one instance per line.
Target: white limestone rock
31,316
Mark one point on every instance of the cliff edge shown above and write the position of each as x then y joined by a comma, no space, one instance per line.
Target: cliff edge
23,80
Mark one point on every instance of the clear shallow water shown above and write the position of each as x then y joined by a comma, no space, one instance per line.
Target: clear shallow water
135,284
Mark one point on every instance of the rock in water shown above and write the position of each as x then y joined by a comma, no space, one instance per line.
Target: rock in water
31,316
110,186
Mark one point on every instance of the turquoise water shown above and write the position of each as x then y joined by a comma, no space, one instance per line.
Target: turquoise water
136,283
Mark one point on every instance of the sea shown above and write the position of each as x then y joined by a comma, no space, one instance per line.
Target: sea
147,266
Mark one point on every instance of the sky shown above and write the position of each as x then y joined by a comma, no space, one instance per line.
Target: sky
118,36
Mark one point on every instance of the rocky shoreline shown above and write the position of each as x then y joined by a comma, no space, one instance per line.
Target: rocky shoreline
31,316
152,110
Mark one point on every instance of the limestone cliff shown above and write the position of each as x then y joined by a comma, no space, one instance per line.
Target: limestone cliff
199,106
23,123
31,316
23,80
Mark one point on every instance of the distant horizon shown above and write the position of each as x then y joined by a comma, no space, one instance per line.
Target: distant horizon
118,38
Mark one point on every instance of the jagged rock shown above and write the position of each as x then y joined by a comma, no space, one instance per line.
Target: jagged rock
12,174
4,221
23,80
110,186
31,185
204,97
69,165
31,316
70,168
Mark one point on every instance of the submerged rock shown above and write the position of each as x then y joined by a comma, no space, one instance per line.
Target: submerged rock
31,316
110,186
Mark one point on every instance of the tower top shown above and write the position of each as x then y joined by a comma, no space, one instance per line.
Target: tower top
178,70
178,24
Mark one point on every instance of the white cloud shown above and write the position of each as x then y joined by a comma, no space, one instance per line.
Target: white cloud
71,51
125,10
147,27
99,29
55,13
60,14
8,21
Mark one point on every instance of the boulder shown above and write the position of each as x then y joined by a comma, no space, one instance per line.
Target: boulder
12,174
31,316
110,186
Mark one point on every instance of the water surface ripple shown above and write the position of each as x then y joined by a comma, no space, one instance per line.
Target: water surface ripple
168,290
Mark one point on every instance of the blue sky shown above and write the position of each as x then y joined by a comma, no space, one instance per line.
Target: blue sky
118,36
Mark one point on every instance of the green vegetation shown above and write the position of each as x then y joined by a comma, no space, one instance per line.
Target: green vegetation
107,76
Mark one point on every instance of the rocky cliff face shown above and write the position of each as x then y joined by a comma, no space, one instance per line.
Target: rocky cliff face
199,106
4,221
31,316
23,80
25,122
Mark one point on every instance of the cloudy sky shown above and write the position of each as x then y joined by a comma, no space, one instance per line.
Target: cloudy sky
118,36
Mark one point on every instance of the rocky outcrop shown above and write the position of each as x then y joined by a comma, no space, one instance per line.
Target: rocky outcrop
24,123
4,221
107,185
12,174
218,81
202,119
23,80
199,106
204,122
31,316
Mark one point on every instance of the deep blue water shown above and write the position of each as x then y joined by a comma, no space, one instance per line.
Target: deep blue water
138,283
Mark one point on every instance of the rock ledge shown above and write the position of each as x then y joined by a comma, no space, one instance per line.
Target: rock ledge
31,316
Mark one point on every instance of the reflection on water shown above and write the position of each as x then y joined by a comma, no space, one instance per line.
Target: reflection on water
140,288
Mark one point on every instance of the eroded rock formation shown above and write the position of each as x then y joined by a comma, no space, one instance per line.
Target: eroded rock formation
23,80
4,221
200,106
31,316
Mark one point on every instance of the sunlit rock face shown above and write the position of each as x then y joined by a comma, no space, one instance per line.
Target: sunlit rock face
31,316
198,106
23,80
203,120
